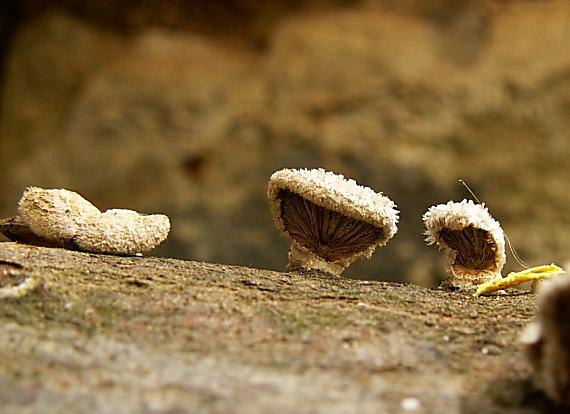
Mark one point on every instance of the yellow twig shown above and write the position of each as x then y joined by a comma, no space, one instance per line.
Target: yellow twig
517,278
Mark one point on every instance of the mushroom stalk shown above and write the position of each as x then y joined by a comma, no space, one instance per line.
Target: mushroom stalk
302,259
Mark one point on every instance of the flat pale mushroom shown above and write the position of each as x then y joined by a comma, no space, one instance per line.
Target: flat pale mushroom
55,215
329,221
63,218
124,232
473,241
49,218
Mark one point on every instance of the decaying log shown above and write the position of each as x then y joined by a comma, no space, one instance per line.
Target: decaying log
108,334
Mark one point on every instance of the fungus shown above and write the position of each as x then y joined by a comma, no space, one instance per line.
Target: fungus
547,340
62,218
473,240
121,231
329,221
54,215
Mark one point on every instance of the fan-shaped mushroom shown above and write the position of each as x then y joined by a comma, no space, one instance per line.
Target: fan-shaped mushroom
330,221
473,240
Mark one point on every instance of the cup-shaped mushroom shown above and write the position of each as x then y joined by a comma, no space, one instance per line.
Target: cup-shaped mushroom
547,340
473,241
330,221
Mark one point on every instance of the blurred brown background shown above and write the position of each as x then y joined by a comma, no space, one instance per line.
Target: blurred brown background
187,107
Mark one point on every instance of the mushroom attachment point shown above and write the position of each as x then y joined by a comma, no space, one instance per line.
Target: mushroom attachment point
547,340
473,241
330,221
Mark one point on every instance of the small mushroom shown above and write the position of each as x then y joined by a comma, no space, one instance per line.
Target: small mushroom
330,221
547,340
473,240
121,231
54,214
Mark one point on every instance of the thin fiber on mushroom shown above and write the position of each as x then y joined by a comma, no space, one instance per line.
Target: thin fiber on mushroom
329,220
473,241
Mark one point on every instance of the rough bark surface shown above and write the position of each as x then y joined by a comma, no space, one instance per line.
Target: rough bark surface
108,334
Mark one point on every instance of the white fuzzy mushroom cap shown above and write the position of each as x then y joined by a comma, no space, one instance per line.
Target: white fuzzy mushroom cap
459,216
334,193
54,214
